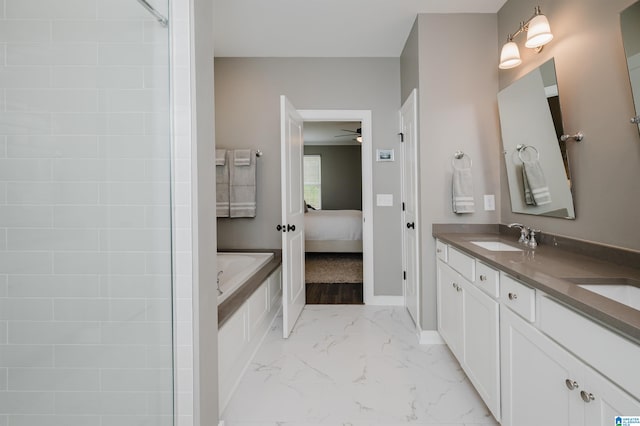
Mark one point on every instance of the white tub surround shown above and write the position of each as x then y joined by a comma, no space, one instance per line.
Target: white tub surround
242,332
235,268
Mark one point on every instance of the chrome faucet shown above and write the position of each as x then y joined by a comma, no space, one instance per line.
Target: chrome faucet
527,235
523,232
218,282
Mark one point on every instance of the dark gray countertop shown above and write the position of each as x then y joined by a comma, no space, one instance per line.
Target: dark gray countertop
547,267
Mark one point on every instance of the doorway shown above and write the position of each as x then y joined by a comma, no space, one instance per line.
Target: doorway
333,216
349,254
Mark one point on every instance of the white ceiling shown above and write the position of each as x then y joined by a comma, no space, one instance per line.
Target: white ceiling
330,132
325,28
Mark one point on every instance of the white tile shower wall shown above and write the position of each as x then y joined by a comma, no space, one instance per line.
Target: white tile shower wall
85,237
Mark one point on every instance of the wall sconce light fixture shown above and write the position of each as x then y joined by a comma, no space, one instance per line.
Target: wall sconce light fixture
538,34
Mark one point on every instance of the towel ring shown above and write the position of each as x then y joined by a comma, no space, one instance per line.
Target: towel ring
459,155
522,148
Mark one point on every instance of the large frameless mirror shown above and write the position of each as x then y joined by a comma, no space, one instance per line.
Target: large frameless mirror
630,25
536,160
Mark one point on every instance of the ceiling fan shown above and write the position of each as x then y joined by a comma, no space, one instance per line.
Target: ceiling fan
357,133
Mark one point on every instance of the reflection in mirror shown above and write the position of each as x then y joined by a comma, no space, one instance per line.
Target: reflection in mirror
630,24
536,161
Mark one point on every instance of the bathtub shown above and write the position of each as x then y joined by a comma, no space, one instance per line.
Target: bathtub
235,268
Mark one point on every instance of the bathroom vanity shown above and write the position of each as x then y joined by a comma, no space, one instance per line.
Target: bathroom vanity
546,336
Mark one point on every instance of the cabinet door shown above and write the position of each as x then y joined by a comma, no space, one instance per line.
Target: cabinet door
534,374
604,401
450,308
481,345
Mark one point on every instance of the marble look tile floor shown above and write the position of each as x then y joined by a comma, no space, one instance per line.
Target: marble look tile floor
353,365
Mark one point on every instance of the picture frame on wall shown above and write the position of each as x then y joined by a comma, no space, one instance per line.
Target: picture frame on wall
385,155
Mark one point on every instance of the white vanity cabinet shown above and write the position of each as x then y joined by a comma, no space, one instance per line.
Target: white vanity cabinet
535,377
543,383
533,360
468,322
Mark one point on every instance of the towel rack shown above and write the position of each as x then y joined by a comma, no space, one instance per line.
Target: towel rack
459,155
522,148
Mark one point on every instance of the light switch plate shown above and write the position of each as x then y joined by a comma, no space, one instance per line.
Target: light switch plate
489,202
384,200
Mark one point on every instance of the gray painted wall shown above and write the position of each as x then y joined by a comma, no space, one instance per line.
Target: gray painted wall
247,115
596,99
458,84
341,176
409,67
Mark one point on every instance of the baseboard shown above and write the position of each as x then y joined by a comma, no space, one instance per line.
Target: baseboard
385,301
430,337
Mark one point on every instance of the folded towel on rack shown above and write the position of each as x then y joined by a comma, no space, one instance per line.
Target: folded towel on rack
242,192
536,190
221,157
462,191
222,185
242,157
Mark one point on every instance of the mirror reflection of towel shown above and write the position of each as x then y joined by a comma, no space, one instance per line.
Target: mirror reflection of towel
536,191
462,191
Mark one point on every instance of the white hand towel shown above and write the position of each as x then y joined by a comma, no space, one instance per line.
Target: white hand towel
242,190
462,191
242,157
221,157
534,180
222,187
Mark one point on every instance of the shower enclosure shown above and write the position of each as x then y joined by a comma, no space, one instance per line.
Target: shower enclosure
85,214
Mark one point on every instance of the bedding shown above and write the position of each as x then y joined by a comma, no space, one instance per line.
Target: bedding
333,231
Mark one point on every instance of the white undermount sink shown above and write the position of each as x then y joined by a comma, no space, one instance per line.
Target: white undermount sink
621,293
495,246
622,290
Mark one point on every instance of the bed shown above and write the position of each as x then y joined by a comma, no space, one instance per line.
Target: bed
333,231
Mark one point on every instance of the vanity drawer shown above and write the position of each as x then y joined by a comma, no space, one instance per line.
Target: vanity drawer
441,250
464,264
518,297
488,279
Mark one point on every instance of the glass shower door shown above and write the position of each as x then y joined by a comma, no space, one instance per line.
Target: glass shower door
85,216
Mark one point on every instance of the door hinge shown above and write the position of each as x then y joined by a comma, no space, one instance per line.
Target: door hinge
403,206
404,275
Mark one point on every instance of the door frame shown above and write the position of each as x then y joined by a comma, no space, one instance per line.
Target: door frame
363,116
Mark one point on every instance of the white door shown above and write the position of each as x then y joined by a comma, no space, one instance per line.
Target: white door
410,228
292,227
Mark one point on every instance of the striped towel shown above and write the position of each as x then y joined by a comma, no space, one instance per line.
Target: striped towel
536,190
462,191
242,192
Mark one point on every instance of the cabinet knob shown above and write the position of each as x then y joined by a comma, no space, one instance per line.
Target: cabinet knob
438,250
483,277
571,384
513,296
586,396
454,285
